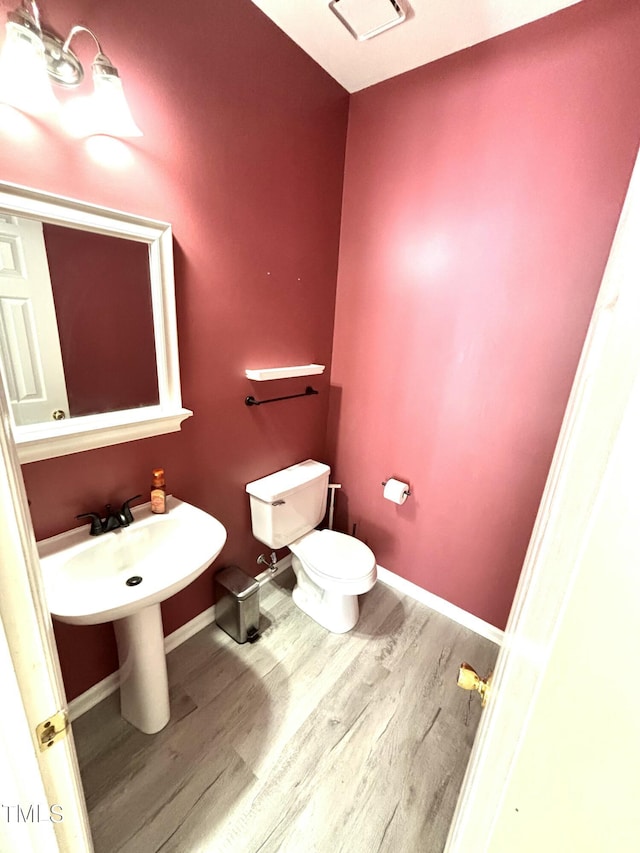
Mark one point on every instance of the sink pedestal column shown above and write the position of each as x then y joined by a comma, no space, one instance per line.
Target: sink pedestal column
144,686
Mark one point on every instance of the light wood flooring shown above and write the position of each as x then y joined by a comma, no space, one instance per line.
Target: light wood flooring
305,742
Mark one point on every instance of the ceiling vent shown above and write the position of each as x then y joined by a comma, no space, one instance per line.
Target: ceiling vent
368,18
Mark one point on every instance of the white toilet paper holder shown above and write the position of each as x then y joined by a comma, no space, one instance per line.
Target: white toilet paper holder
406,492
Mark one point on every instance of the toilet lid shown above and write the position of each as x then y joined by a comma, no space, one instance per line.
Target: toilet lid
334,554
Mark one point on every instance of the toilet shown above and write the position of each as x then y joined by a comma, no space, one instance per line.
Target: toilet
331,568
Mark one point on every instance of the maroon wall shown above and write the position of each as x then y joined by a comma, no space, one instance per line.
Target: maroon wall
481,197
243,153
102,292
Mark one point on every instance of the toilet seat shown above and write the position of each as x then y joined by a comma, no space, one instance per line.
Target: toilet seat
335,559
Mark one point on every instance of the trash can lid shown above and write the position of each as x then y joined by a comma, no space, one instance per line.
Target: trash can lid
233,579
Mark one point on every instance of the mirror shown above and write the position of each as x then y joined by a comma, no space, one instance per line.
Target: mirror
88,341
76,321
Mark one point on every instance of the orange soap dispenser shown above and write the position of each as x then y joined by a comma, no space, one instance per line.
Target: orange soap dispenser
158,491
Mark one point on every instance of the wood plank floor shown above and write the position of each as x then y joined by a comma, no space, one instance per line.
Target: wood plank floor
305,741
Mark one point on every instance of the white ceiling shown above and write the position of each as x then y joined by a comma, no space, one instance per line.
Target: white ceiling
433,28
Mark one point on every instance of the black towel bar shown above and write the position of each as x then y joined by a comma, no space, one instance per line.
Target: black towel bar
251,401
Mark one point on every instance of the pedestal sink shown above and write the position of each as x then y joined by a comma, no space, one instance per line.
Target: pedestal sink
122,576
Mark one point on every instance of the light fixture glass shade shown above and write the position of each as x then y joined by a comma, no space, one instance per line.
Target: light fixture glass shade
105,112
113,115
24,82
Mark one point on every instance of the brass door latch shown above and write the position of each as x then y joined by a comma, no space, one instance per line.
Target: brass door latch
469,679
51,730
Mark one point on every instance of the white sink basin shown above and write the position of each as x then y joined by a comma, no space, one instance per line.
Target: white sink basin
85,580
85,576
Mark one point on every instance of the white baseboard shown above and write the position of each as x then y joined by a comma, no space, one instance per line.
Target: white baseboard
440,605
85,701
184,632
111,683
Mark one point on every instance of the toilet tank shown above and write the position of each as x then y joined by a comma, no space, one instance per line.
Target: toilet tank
289,503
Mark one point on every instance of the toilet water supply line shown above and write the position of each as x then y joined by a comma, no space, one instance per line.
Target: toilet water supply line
332,487
271,562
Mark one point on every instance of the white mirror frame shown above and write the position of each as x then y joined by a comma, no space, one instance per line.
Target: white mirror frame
59,438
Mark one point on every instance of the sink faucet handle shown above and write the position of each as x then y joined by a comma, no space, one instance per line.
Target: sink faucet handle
96,523
125,510
112,520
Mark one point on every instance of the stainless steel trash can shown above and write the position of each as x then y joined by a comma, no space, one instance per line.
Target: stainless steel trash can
238,604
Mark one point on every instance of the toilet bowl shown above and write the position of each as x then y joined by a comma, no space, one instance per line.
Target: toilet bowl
331,570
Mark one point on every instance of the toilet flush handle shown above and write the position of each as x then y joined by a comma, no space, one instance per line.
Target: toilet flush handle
278,503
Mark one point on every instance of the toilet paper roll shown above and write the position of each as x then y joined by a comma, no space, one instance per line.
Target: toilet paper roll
395,491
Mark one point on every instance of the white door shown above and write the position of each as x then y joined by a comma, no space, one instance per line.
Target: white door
32,782
22,794
555,763
28,326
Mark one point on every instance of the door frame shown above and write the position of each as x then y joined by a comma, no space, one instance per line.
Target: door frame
27,629
21,785
598,404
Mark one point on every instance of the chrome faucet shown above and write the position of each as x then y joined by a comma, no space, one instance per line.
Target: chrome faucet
112,520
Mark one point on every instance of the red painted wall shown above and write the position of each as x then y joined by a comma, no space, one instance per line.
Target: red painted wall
481,197
243,153
102,292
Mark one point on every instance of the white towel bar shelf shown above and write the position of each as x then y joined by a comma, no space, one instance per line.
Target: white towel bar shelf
265,373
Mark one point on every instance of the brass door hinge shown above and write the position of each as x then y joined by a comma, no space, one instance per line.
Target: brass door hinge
51,730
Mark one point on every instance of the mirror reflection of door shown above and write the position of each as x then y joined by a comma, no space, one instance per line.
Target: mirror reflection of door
28,327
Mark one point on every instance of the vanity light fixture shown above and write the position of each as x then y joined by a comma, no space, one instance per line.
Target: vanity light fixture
24,82
32,57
